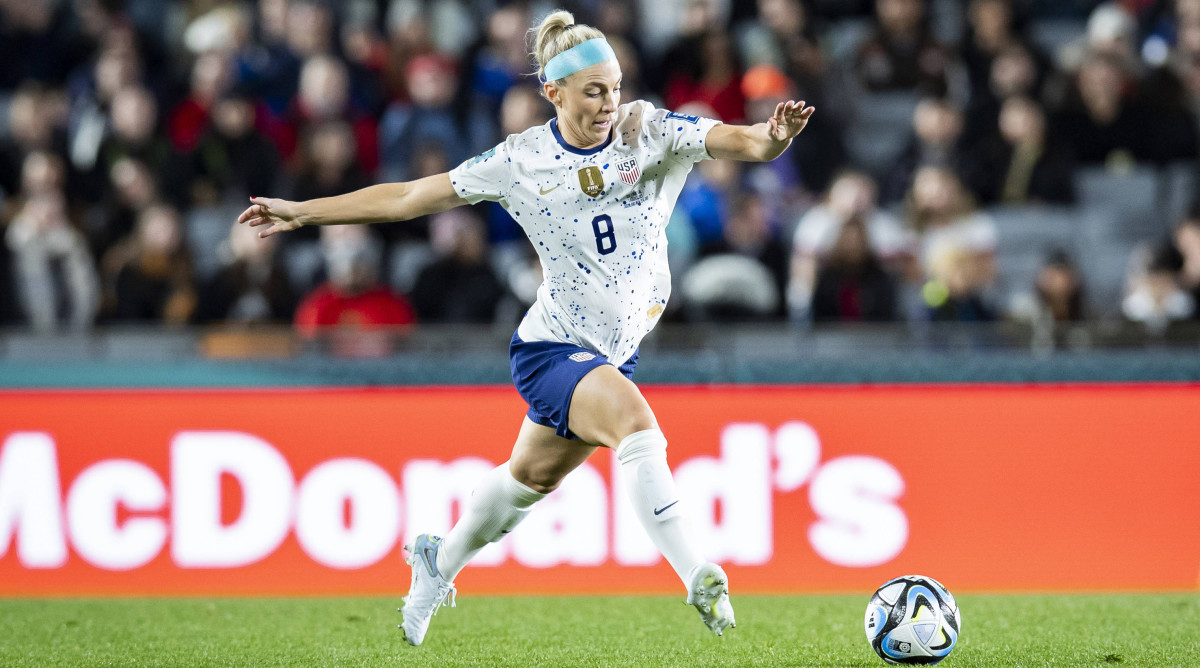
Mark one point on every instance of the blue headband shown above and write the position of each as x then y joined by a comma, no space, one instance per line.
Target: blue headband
591,52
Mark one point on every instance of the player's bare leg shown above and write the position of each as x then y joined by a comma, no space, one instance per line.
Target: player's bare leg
541,459
608,409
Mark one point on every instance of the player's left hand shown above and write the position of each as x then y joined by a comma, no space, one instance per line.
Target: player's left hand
789,119
279,214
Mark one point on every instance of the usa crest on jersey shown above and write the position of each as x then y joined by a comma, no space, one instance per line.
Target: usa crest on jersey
628,170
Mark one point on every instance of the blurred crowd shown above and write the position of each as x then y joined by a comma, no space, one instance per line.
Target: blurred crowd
970,160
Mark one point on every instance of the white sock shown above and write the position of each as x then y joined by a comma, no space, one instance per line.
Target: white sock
643,458
497,505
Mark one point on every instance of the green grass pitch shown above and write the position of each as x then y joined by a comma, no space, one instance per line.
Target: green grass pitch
998,630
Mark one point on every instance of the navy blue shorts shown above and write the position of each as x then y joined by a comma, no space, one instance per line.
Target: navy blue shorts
546,373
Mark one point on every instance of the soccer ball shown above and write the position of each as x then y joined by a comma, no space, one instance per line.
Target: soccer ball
912,619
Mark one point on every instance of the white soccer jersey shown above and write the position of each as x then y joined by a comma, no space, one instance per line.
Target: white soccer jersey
597,218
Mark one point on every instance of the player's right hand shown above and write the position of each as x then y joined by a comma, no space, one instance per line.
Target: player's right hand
279,214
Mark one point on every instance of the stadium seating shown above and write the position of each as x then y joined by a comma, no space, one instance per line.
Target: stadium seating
1121,204
1104,266
1180,188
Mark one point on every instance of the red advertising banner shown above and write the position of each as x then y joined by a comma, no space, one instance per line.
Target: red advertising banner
794,489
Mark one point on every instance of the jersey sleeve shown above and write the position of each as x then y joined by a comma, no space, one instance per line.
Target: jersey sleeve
679,136
487,176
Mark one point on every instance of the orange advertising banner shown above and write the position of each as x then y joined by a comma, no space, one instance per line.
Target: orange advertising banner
792,488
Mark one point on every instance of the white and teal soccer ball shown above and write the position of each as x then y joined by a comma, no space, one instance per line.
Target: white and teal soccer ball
912,620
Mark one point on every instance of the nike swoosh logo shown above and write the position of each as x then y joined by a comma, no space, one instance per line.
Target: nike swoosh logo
660,511
428,555
543,192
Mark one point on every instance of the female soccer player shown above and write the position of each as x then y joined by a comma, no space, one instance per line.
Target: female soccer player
593,189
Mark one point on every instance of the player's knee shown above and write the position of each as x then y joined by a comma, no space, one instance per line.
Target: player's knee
637,418
540,478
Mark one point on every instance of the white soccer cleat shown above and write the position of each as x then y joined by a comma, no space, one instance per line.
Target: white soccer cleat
428,591
709,593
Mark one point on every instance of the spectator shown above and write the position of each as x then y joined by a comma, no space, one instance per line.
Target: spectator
460,285
747,232
309,28
41,28
251,286
1059,288
705,200
713,76
1022,164
851,285
689,21
231,159
1111,31
353,306
134,122
131,190
1018,70
792,184
10,311
902,54
1101,122
1058,294
1187,242
784,37
957,245
418,26
1184,59
35,118
992,25
1155,297
1160,95
367,55
221,31
853,195
149,275
267,65
492,66
327,165
936,140
427,119
409,34
188,119
954,290
324,96
54,271
92,93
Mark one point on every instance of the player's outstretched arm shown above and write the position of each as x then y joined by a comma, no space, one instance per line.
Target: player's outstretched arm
381,203
762,141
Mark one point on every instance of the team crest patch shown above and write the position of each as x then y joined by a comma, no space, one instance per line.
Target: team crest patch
581,357
628,170
591,181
